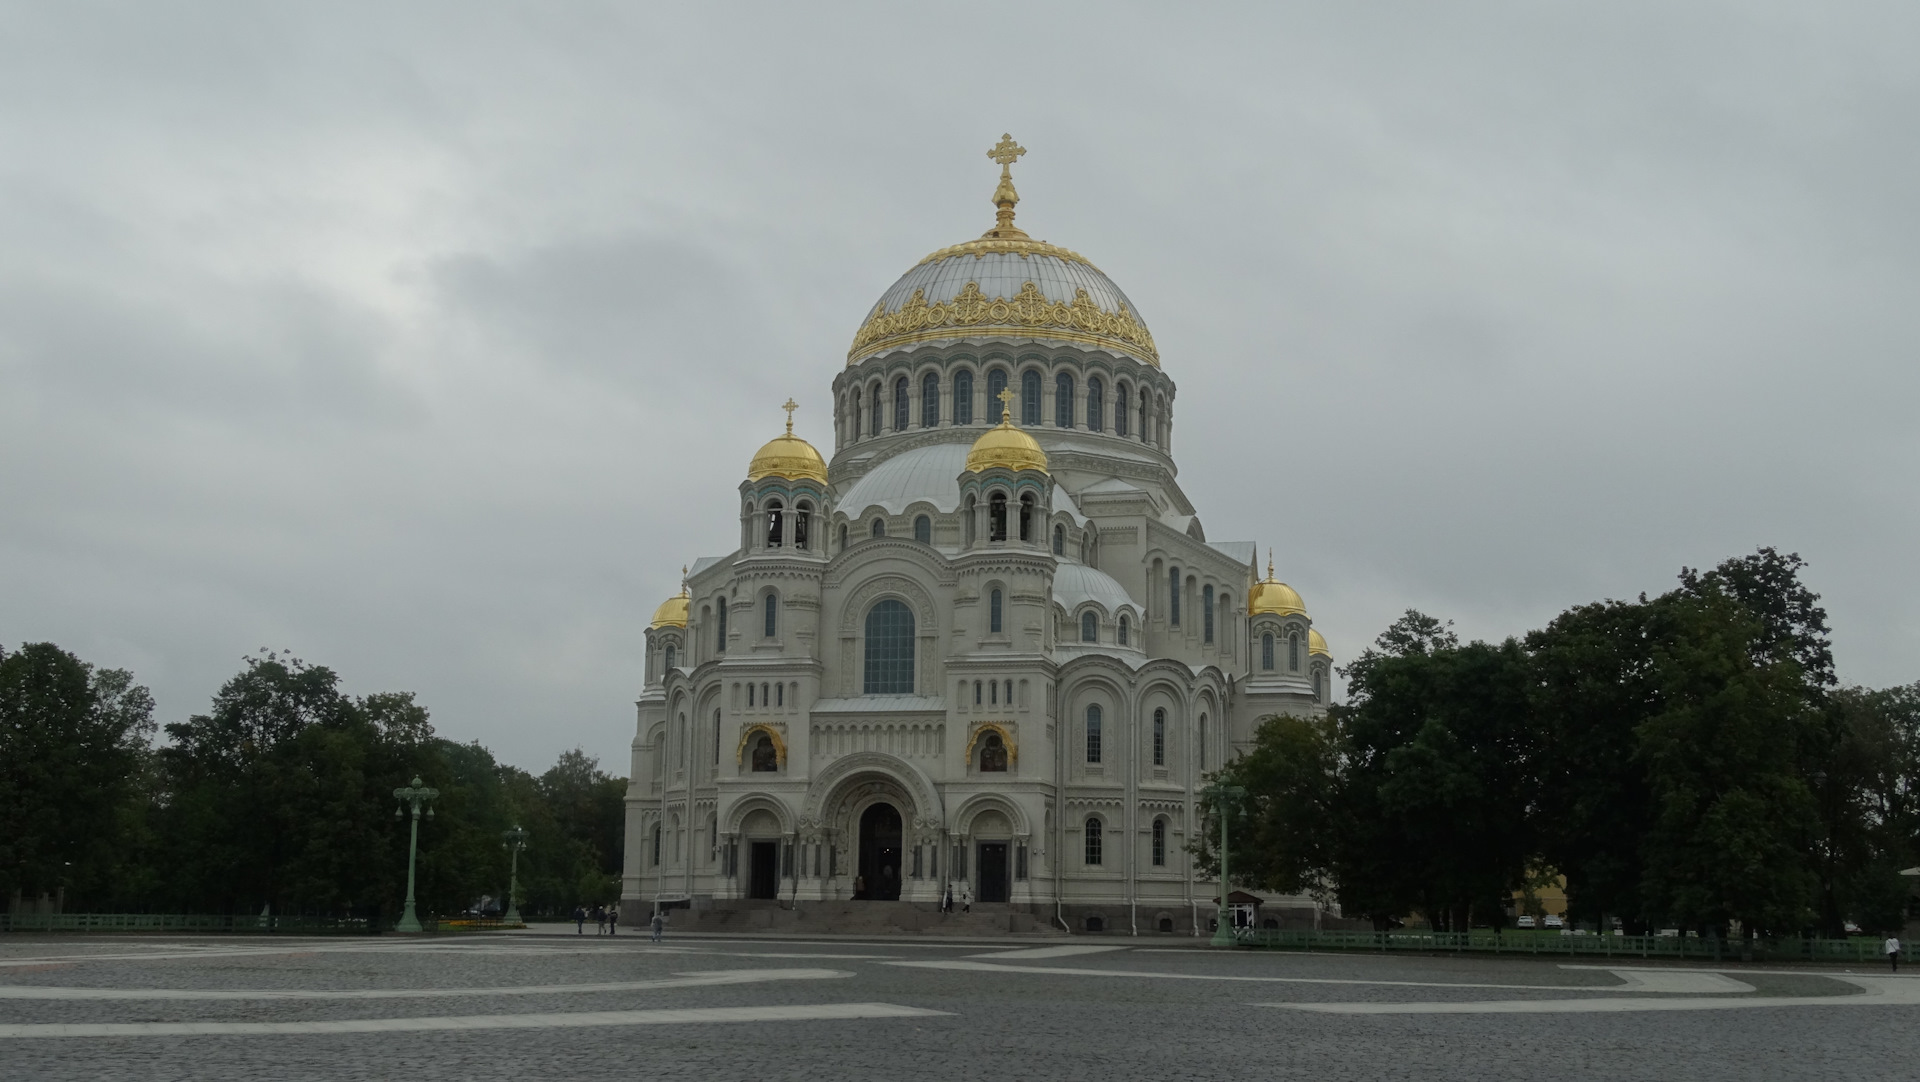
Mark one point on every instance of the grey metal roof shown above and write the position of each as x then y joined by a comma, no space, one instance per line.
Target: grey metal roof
1075,583
924,473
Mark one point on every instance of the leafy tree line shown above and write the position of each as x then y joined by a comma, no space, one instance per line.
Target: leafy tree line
1687,760
280,796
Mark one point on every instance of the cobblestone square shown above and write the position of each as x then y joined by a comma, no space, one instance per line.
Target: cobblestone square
590,1007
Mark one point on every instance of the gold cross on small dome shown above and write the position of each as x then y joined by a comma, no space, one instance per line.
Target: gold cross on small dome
790,407
1006,405
1006,152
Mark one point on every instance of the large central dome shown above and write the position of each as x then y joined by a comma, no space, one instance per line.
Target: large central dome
1004,284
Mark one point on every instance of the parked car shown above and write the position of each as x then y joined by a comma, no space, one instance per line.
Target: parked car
1524,922
1553,922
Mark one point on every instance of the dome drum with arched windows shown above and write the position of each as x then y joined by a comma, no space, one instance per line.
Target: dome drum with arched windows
950,657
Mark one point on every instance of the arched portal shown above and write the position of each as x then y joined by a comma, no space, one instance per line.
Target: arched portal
880,846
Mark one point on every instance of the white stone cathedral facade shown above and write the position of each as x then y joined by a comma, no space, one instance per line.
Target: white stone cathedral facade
988,646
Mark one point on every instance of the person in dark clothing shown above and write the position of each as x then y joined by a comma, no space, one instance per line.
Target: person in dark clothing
579,920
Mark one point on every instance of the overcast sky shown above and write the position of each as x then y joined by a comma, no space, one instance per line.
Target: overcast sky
429,341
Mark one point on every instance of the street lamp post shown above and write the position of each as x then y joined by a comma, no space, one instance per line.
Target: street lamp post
516,841
1223,796
418,797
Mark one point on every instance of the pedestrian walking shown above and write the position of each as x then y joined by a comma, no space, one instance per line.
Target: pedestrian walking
966,898
579,920
599,920
659,926
1893,952
613,920
946,903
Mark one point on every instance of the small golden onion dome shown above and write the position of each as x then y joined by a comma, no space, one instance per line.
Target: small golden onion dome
1270,595
1316,644
1006,446
788,456
672,612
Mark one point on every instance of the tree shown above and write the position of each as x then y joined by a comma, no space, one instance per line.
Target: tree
72,745
1282,841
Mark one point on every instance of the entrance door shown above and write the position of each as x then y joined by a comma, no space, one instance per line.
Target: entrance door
993,871
763,870
879,869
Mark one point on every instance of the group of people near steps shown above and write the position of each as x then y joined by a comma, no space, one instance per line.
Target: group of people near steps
606,920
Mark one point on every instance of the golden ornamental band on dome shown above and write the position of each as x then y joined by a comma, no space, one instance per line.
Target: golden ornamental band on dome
1271,596
1006,446
1050,293
788,456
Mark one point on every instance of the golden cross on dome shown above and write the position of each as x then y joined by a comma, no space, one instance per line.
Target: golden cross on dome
1006,152
1269,563
683,580
790,407
1006,405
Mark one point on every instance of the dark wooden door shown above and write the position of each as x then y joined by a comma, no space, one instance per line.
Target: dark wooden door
763,870
993,871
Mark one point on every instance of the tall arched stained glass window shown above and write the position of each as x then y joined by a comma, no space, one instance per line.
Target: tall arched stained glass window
1096,405
1120,632
1122,401
1173,596
1063,400
994,608
1092,853
1206,612
1030,397
929,400
996,382
1266,652
889,650
1159,843
1089,627
900,404
720,626
1093,733
1293,653
1159,736
773,615
963,398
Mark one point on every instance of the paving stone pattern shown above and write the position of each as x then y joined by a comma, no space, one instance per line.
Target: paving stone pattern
560,1006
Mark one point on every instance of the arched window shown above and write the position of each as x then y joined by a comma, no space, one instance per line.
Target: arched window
1063,400
993,754
976,693
1096,405
669,657
929,401
779,694
889,660
843,537
1030,397
1266,651
1145,433
1293,652
1316,684
969,523
1089,627
1120,632
802,525
963,398
656,845
1159,736
993,611
766,759
853,407
1173,596
900,404
720,626
1026,516
875,425
997,517
1093,733
749,696
1122,401
766,697
1160,851
993,693
879,528
1093,839
996,382
716,737
1059,540
773,615
774,521
923,529
1206,612
1201,742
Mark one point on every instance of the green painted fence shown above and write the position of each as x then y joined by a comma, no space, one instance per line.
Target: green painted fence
187,922
1857,949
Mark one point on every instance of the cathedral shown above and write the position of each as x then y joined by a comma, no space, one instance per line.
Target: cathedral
985,649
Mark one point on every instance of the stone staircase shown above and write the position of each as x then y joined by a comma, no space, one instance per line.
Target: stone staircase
863,918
